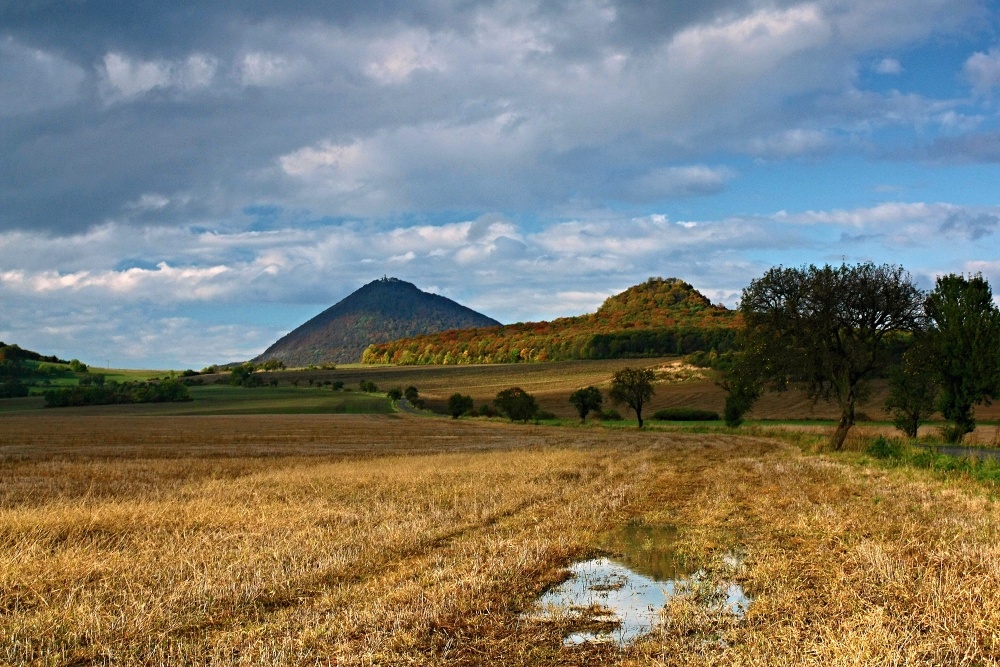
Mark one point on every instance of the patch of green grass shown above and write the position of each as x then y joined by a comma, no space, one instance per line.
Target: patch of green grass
895,452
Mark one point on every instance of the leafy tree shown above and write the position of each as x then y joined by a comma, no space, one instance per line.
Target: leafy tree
395,393
586,400
94,378
828,328
912,390
12,388
77,366
368,386
337,385
516,403
632,387
411,394
740,376
459,404
240,375
964,340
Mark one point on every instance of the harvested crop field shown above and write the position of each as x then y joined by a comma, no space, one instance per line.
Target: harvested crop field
378,540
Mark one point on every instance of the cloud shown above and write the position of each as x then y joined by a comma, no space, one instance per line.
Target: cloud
394,60
517,106
973,225
683,181
139,275
34,79
124,78
791,143
974,147
889,66
983,70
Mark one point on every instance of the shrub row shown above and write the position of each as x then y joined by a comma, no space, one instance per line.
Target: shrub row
685,415
167,391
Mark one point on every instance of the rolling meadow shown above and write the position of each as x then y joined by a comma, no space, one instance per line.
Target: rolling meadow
134,535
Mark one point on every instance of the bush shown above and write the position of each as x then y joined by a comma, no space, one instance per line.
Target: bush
486,410
459,404
883,448
113,393
516,403
368,386
610,415
685,415
13,389
337,385
545,414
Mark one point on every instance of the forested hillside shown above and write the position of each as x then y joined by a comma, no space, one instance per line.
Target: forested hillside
660,316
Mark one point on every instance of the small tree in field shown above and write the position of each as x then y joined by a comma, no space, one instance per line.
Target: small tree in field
516,403
459,404
912,391
964,341
633,387
586,400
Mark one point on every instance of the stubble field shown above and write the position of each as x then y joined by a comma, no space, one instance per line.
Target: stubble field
379,540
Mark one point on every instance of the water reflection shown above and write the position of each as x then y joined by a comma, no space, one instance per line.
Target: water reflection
620,598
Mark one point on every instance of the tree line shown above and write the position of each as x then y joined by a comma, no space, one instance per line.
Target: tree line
111,393
834,329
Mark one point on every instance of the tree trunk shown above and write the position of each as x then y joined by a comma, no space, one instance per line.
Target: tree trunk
846,422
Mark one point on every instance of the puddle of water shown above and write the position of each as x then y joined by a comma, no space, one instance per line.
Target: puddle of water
649,550
618,599
981,453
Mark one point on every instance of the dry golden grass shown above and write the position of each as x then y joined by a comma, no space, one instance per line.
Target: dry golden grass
387,541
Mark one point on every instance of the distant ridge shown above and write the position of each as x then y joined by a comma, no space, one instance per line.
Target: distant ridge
383,310
659,317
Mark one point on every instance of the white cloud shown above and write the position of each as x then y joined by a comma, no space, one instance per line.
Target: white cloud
124,78
889,66
395,59
684,181
791,143
983,70
184,283
265,69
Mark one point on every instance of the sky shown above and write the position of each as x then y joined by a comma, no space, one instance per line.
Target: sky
181,183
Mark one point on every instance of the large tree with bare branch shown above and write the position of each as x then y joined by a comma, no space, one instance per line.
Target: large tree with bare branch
827,328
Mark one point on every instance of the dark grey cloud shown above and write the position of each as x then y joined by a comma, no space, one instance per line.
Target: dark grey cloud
975,147
187,113
972,226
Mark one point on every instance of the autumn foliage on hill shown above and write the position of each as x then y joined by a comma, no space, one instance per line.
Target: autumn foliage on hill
658,317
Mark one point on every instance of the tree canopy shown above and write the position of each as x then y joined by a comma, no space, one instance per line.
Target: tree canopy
633,387
964,345
586,400
516,403
459,404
